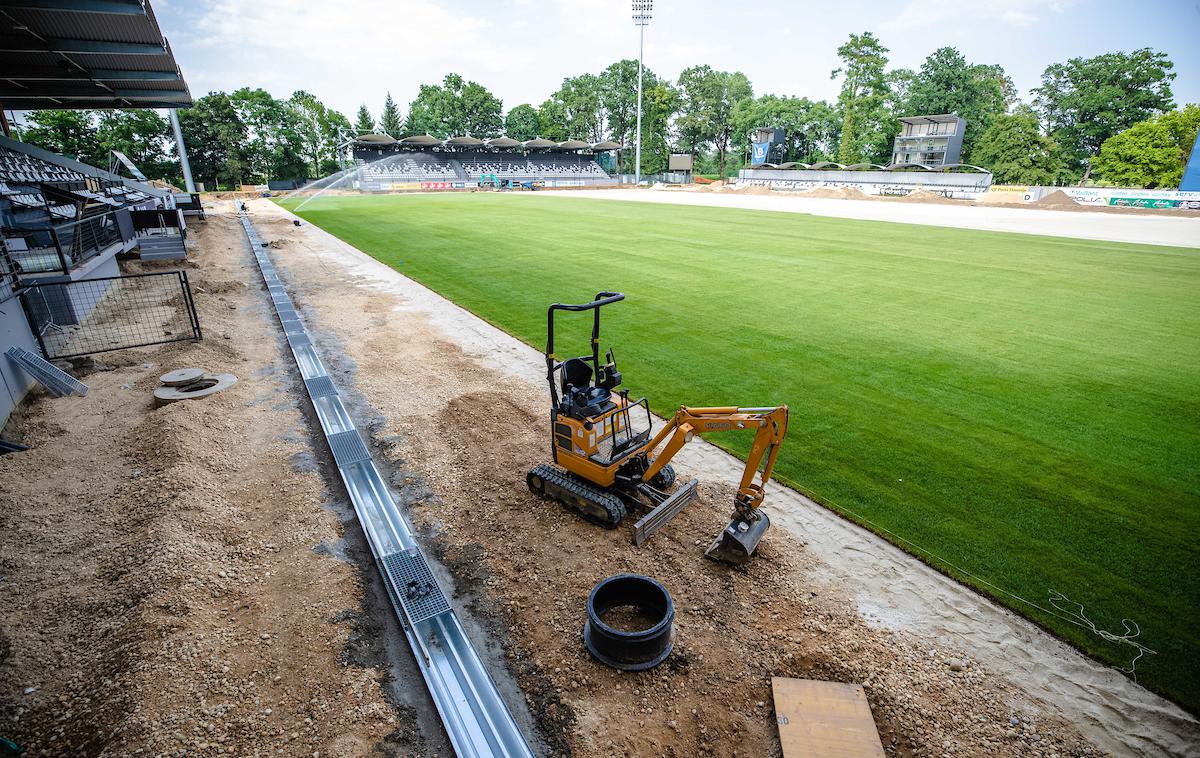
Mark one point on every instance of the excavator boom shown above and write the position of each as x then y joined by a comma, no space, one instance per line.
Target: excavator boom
738,540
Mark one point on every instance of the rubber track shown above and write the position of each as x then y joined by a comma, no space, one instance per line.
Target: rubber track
559,483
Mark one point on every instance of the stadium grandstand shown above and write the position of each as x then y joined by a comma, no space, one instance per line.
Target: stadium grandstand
426,162
57,214
63,223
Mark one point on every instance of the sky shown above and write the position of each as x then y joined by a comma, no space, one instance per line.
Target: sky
355,51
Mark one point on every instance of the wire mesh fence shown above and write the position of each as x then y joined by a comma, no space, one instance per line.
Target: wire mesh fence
72,319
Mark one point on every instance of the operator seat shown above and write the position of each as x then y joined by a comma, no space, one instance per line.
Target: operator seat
581,399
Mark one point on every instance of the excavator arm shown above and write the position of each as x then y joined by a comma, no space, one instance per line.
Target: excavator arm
771,425
738,540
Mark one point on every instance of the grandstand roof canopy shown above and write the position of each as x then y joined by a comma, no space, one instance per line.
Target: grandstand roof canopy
539,142
572,144
467,141
376,139
421,139
934,118
86,54
503,142
607,145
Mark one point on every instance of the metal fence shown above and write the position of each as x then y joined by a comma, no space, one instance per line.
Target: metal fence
42,247
72,319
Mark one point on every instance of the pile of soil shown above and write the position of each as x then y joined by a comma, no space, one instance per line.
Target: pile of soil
466,433
1001,198
836,193
1056,199
758,189
927,197
230,195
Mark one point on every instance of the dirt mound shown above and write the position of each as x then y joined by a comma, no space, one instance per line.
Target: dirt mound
759,190
836,193
230,195
994,197
1056,199
925,196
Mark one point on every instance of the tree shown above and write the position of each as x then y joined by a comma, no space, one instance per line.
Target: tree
454,108
68,133
141,135
810,129
576,110
321,131
868,125
947,83
1008,89
707,99
552,120
390,122
521,123
618,96
1016,152
215,137
1085,101
273,148
364,123
659,103
1152,153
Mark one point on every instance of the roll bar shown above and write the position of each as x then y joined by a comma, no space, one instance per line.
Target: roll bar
601,299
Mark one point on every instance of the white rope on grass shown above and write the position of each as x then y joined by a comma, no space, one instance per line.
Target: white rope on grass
1057,600
1077,616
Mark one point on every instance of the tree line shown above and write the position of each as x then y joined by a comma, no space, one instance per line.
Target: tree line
1110,118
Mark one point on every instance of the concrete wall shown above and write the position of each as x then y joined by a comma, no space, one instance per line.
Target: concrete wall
14,330
958,185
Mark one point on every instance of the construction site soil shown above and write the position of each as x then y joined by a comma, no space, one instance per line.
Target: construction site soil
182,580
468,434
174,580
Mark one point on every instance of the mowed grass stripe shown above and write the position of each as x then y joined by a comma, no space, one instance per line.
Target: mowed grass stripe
1027,408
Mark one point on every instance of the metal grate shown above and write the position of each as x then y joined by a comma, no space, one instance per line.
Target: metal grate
59,382
320,386
74,318
414,585
348,448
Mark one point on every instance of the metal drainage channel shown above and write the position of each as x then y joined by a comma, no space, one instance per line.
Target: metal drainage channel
475,717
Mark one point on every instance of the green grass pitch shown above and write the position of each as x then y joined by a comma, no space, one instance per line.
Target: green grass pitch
1025,408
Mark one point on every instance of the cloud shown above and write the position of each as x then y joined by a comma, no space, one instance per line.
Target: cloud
330,50
921,14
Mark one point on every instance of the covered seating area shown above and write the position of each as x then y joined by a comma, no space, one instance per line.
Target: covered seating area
464,162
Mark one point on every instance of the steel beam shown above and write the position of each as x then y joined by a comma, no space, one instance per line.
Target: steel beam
61,74
22,43
84,92
123,7
181,148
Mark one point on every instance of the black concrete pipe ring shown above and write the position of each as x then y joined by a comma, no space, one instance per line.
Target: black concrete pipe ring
630,650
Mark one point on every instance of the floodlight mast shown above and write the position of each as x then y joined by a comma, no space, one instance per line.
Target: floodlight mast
642,11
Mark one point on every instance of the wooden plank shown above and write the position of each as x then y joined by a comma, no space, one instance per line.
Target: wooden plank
824,720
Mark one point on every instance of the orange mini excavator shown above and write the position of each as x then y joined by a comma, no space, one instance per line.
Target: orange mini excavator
606,461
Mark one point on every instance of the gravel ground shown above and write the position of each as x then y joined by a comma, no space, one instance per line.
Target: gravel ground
467,433
176,580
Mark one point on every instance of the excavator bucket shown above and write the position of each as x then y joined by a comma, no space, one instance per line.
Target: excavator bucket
736,543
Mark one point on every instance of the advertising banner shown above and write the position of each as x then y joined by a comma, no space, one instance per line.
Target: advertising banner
759,152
